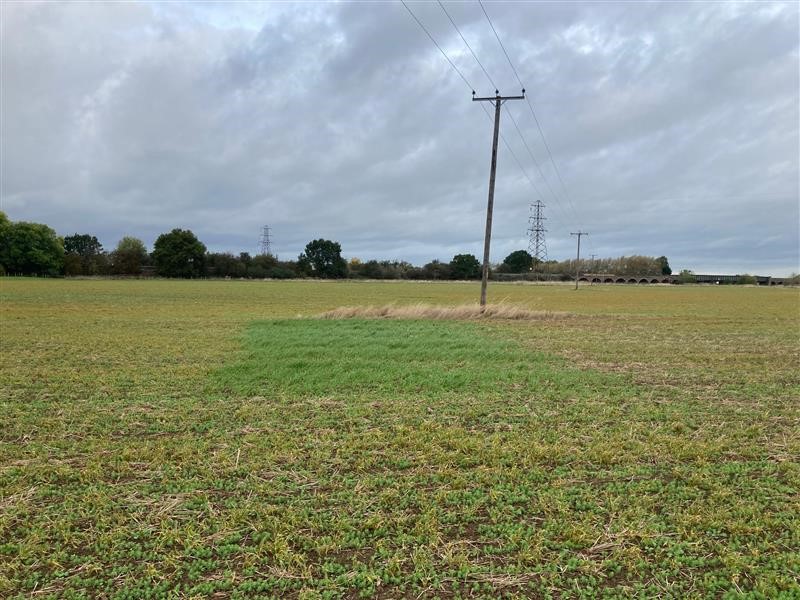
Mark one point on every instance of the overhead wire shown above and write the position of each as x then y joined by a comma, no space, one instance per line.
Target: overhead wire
466,43
533,113
505,142
508,112
501,44
552,160
538,167
452,64
464,79
519,164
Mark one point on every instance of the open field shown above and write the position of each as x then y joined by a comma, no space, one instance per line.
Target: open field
195,439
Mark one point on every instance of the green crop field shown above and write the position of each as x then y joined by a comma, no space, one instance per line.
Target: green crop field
205,439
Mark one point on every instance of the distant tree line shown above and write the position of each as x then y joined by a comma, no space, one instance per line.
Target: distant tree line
522,262
36,249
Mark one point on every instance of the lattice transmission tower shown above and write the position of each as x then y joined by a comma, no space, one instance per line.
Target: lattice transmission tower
265,243
536,245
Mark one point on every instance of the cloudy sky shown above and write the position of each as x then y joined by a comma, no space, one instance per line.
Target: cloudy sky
674,126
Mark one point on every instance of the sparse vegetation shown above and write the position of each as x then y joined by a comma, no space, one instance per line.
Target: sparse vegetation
196,439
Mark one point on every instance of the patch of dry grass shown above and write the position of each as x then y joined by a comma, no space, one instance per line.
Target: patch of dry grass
463,312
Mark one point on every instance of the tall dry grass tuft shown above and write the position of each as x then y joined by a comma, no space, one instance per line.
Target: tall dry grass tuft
427,311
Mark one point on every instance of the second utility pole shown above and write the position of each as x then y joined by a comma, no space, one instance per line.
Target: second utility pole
497,100
578,259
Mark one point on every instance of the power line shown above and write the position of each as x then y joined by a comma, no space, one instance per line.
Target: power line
502,137
535,162
533,112
513,154
524,141
464,79
532,183
552,160
466,43
501,44
452,64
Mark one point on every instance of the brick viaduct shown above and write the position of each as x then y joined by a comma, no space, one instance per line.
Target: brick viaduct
713,279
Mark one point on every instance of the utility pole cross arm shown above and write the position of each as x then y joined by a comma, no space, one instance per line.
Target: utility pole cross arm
501,98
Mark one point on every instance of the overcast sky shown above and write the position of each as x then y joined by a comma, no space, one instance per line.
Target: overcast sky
674,126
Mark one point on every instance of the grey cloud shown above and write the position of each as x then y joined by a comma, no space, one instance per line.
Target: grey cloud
675,127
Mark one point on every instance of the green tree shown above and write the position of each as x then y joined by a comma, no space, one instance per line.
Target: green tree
179,254
83,255
129,257
465,266
282,270
30,248
519,261
261,265
224,265
82,245
664,264
323,258
5,224
372,269
435,269
746,279
686,276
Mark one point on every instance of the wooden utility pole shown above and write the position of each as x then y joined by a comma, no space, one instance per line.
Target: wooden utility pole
578,258
497,100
